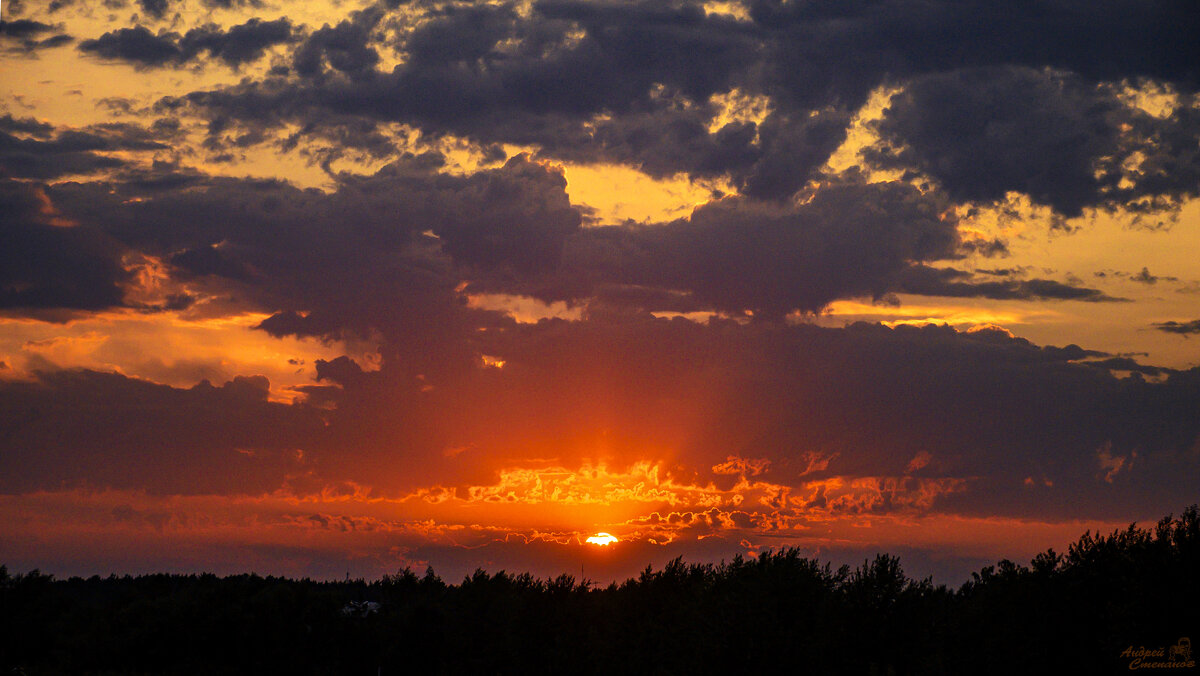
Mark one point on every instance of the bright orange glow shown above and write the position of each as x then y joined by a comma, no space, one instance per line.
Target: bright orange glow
384,535
602,539
173,348
619,193
913,312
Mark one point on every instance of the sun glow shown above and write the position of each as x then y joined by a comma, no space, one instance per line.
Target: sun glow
602,539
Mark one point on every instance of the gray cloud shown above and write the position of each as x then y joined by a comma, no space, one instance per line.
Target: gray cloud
991,100
82,428
740,254
43,266
23,35
954,283
238,45
631,83
1056,137
137,45
984,408
1181,328
31,152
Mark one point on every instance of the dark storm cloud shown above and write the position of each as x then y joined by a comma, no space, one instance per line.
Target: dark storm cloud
1129,364
512,218
740,254
355,259
227,4
45,265
654,66
1143,277
792,148
236,46
1108,40
24,28
547,75
985,406
155,8
1031,93
160,176
22,35
385,253
1181,328
521,81
513,230
137,45
988,248
996,411
158,9
239,44
70,151
342,48
461,34
948,282
88,429
985,132
1053,136
1165,155
663,137
50,260
1028,429
25,125
74,154
517,217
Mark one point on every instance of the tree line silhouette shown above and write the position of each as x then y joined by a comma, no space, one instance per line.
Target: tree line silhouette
1069,613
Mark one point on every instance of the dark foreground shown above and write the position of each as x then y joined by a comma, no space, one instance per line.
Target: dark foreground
1129,599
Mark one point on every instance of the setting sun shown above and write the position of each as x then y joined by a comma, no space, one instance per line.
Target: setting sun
602,539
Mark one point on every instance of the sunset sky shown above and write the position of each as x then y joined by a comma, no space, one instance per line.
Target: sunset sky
310,288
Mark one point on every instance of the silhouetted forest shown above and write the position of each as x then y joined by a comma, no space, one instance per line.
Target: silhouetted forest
1090,610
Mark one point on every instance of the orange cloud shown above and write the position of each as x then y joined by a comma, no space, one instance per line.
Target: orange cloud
172,349
73,530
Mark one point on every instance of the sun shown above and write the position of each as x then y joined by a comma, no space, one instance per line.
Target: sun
602,539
